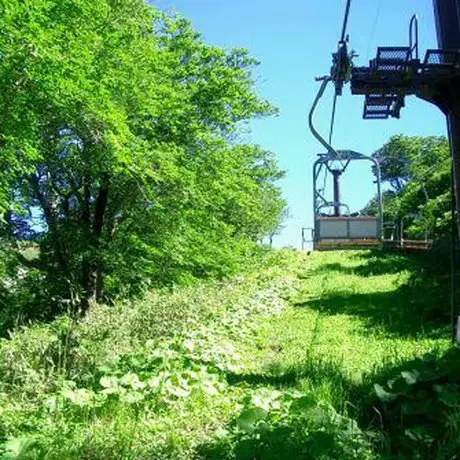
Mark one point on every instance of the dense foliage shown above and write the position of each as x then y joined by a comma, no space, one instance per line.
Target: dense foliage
120,161
420,407
417,171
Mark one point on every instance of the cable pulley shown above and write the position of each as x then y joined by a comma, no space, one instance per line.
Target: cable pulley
340,73
342,59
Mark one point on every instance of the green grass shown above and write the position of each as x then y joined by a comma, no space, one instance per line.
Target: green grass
280,363
354,318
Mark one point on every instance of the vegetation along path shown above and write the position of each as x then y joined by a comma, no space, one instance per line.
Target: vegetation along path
291,360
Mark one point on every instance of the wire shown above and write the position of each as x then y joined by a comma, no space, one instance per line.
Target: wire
325,181
345,21
334,104
373,30
428,171
331,129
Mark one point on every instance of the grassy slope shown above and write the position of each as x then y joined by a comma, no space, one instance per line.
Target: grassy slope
355,320
222,370
353,311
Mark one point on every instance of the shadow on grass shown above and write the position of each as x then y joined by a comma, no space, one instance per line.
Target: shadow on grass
314,372
377,262
420,305
402,312
390,426
416,410
315,433
290,441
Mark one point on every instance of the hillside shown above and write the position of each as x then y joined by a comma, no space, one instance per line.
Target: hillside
281,362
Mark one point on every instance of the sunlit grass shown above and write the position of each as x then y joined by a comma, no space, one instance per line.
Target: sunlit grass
324,328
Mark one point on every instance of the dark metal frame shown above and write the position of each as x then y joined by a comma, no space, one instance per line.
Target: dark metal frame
413,216
397,72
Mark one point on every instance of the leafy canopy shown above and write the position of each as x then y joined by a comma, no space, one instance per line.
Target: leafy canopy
417,170
119,129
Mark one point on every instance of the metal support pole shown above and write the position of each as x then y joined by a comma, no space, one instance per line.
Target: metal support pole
447,15
453,261
315,200
336,173
453,127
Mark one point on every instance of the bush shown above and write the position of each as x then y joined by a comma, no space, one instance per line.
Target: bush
420,407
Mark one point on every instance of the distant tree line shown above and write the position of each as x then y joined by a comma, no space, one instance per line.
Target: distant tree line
415,172
119,133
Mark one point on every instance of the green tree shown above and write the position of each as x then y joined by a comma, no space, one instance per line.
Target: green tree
417,170
118,125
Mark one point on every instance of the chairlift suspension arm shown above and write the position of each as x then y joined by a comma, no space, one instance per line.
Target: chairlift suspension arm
319,138
331,128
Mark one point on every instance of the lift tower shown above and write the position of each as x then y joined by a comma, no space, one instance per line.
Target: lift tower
397,72
447,16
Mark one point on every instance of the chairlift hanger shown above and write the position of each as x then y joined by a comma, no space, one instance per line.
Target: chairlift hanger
338,231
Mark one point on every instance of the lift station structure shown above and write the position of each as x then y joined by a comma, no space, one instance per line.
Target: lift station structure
395,72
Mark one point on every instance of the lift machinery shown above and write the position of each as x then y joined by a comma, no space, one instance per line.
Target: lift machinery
337,229
394,73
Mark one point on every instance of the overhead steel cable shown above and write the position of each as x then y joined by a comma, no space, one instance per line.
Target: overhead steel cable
345,21
373,30
340,60
339,75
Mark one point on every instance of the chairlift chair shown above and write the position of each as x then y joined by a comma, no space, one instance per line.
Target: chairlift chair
340,231
394,236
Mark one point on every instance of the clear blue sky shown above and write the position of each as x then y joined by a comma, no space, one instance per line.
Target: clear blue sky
294,40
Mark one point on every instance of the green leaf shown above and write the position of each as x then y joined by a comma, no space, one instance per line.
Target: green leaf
419,434
108,382
177,391
248,419
399,385
304,404
410,377
448,394
132,380
132,397
382,394
18,449
81,397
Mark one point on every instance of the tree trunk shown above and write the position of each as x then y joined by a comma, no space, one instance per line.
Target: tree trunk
93,261
87,281
52,224
87,276
98,226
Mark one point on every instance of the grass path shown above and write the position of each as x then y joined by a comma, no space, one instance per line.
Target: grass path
357,316
352,312
224,371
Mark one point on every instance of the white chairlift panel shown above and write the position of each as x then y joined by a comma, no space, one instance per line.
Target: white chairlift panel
345,227
364,227
332,227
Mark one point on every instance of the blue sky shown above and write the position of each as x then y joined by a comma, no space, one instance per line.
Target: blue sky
294,40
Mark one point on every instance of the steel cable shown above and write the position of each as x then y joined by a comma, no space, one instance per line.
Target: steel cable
345,21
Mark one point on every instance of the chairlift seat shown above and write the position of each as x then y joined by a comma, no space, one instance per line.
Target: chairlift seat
342,232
